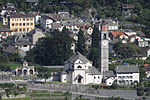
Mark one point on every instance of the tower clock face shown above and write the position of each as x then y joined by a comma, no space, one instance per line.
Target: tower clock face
105,43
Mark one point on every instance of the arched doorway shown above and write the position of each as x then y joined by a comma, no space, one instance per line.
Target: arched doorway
79,79
19,72
25,72
31,71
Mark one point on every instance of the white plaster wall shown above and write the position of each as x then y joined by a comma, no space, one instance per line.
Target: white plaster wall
110,81
135,77
112,27
91,80
64,78
76,73
36,36
25,48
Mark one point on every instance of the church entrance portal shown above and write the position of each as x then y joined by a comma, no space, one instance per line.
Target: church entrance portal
79,80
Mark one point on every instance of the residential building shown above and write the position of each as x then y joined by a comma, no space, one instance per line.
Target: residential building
64,15
115,35
8,9
143,42
127,8
112,24
5,32
109,77
4,20
21,22
79,70
127,75
34,35
46,22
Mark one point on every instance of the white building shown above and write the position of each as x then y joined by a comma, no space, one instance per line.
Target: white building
126,75
79,70
46,22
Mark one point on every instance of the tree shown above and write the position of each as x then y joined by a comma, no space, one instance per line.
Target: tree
94,52
44,73
81,43
127,50
52,50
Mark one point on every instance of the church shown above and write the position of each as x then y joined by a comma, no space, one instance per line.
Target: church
79,70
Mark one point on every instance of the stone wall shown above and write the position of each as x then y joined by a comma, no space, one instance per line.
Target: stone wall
65,87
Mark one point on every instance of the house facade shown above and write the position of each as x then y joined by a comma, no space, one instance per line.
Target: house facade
21,22
79,70
5,32
127,75
46,22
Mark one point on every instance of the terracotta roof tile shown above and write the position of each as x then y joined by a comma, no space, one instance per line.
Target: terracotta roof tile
115,34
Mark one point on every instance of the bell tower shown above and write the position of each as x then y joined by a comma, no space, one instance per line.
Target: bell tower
103,47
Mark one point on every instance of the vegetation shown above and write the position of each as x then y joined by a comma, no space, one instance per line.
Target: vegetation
52,50
9,61
81,43
15,89
17,99
125,51
40,95
44,73
94,52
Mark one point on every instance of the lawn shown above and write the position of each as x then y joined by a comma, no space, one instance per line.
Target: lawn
18,99
56,82
13,65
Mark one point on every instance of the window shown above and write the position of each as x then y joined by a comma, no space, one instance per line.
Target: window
20,29
23,19
20,24
94,77
25,46
12,24
98,77
31,18
20,19
79,66
23,29
27,29
27,24
27,19
16,24
31,24
23,24
12,19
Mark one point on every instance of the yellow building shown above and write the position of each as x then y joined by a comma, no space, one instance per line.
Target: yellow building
21,22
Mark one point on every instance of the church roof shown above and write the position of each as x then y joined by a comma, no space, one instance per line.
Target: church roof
77,56
92,70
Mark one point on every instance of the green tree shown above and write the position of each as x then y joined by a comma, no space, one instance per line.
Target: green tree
52,50
94,52
44,73
81,43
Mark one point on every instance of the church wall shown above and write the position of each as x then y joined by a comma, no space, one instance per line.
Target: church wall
76,73
93,79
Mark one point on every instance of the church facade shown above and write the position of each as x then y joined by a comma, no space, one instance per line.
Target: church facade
79,70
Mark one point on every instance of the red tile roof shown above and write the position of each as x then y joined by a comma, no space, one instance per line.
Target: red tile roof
115,34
